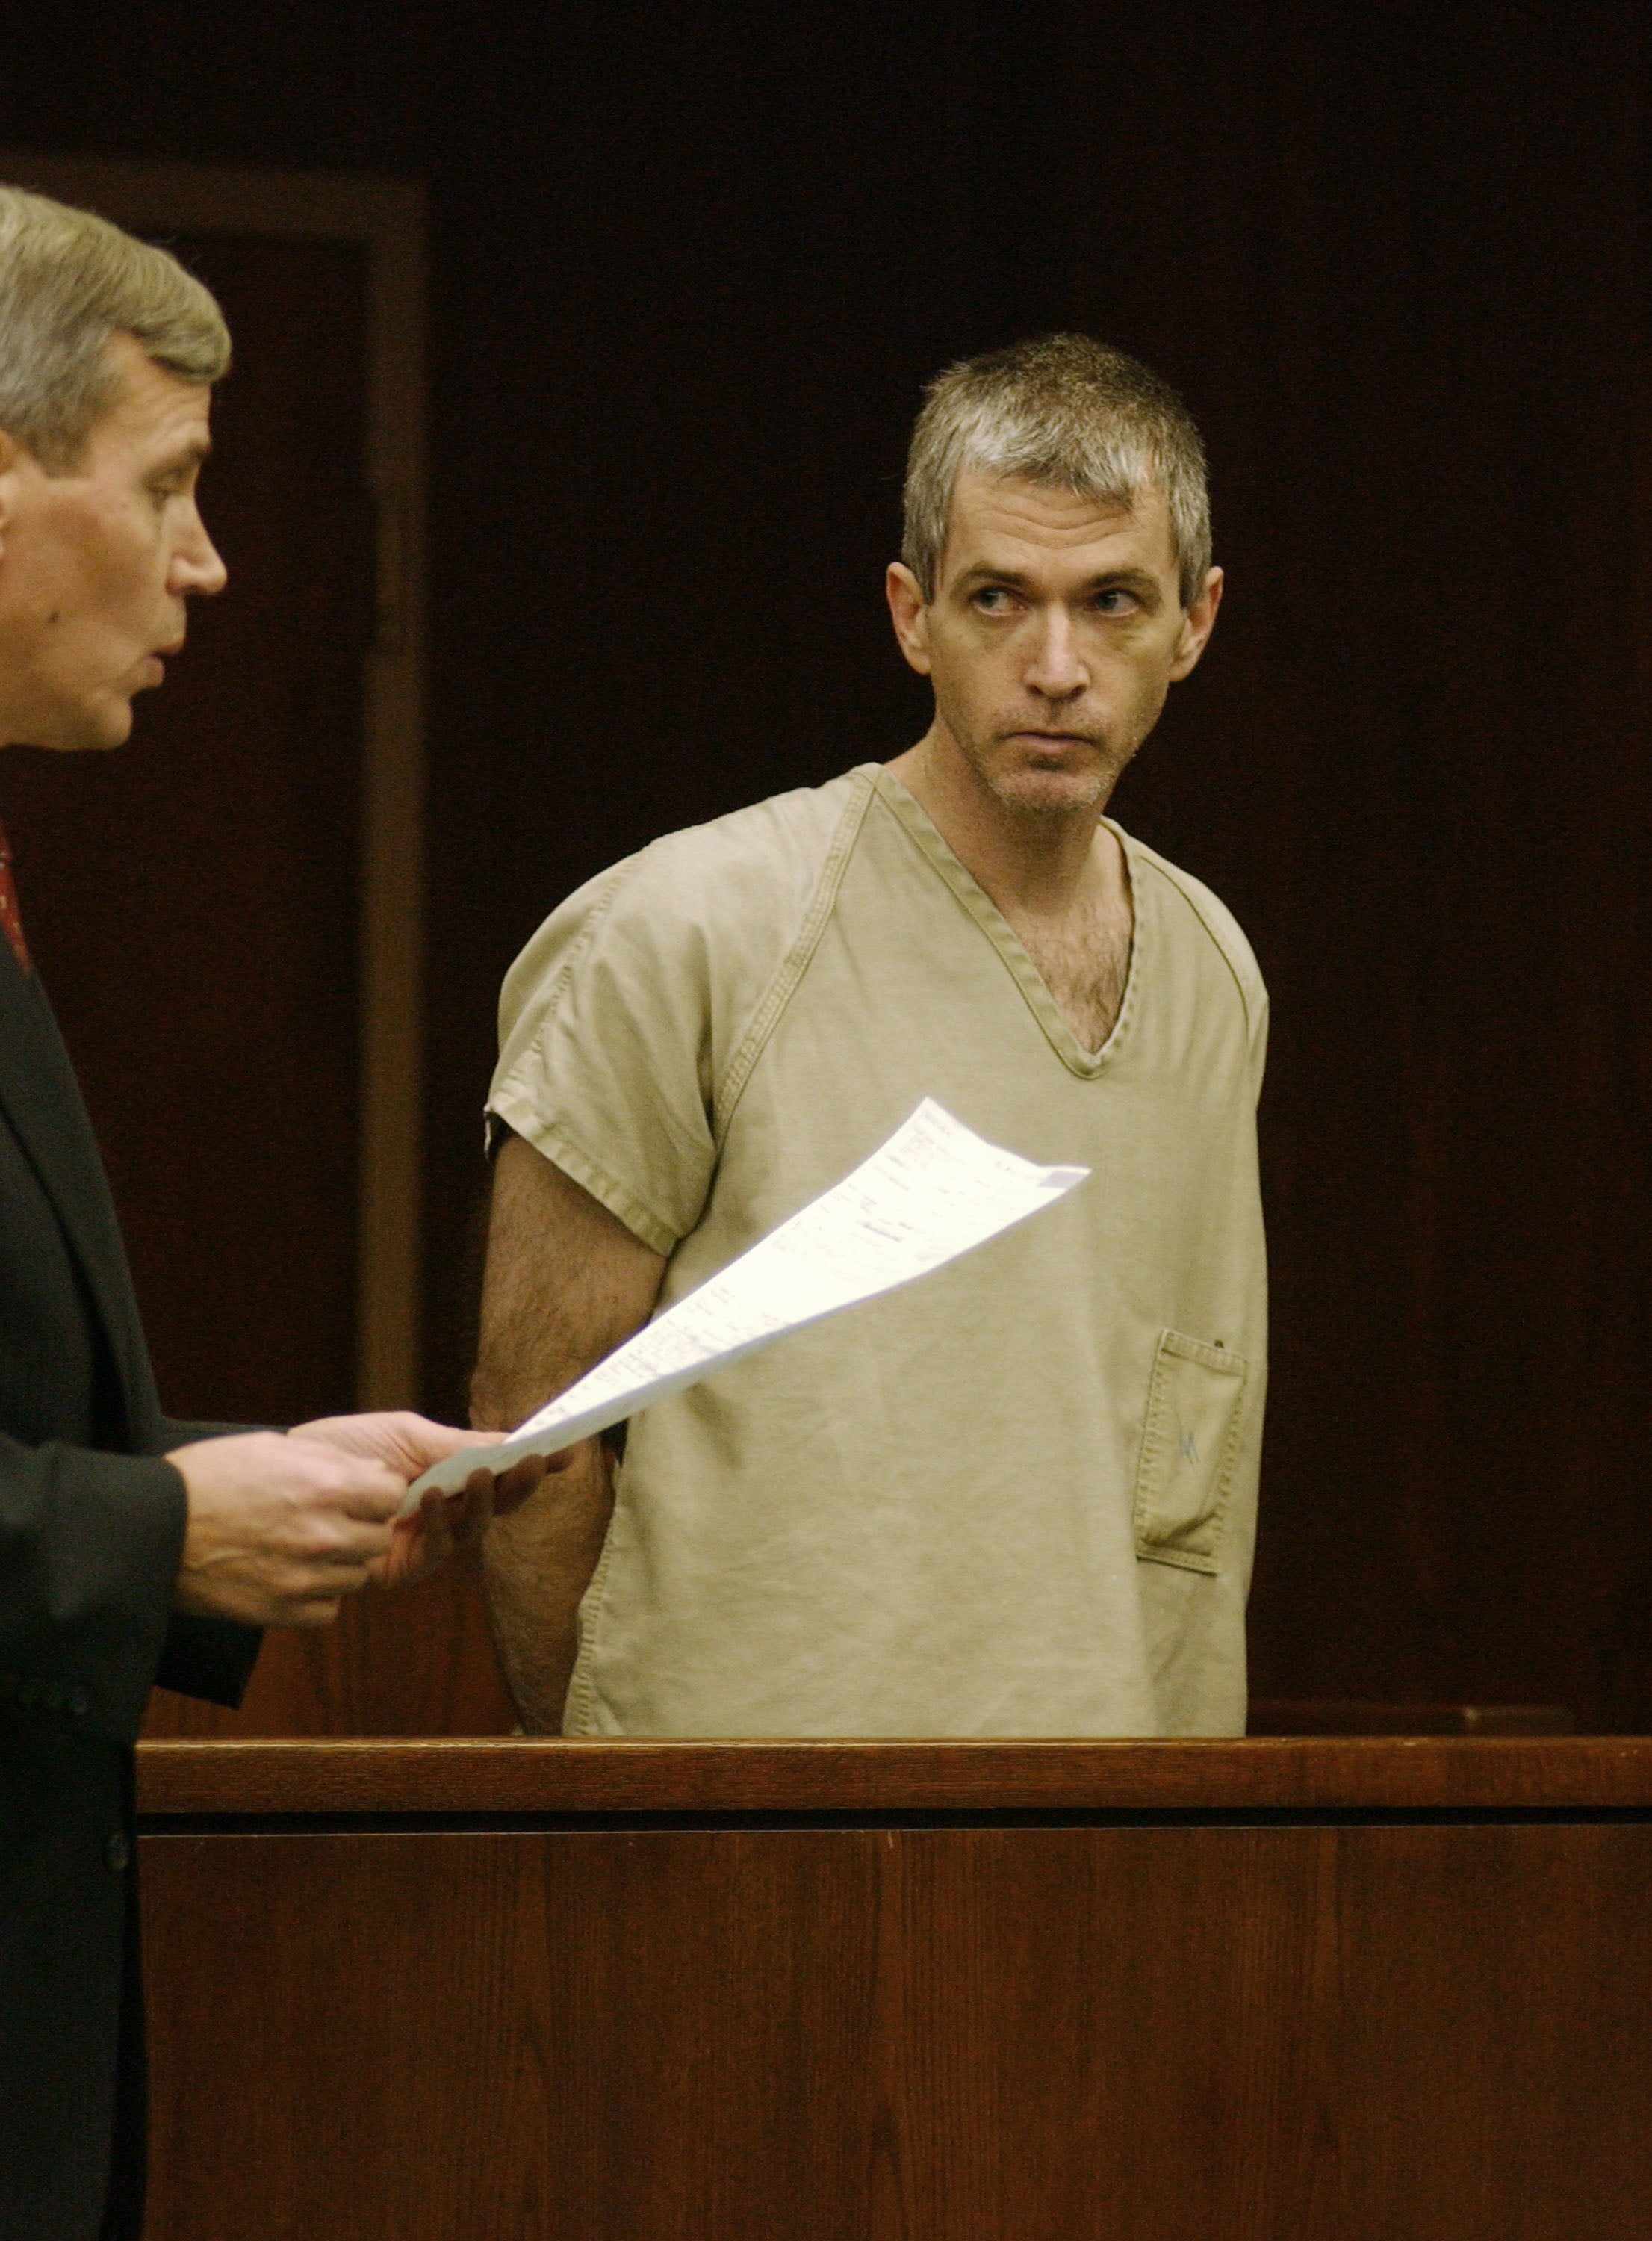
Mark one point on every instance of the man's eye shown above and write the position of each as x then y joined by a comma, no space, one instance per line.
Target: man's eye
1115,602
992,599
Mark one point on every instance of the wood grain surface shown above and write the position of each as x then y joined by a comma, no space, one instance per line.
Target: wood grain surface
1149,2034
521,1775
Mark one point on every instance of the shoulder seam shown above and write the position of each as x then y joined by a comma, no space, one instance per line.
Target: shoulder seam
793,965
1249,998
587,935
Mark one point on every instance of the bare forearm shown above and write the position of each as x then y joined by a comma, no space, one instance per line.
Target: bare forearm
566,1283
539,1564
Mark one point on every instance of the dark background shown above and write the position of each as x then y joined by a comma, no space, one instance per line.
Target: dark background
690,268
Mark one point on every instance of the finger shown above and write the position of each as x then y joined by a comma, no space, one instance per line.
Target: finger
389,1568
420,1544
346,1544
442,1533
515,1485
360,1486
511,1487
467,1518
451,1513
409,1560
433,1443
453,1521
375,1499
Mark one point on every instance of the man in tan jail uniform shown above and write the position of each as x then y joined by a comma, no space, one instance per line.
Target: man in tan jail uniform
1018,1497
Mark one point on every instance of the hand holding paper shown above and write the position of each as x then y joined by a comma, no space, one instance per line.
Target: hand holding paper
931,1193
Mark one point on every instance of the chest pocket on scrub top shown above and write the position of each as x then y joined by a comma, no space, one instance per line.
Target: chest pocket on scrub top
1188,1451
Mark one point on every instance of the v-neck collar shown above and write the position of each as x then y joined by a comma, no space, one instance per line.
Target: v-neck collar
917,824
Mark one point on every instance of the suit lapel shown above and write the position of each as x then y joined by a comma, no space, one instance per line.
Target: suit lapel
43,1101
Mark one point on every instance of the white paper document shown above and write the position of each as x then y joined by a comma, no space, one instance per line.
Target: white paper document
931,1193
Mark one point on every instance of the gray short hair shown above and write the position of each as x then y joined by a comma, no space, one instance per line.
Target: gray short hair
69,281
1068,413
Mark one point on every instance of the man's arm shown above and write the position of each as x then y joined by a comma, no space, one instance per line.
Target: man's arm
566,1282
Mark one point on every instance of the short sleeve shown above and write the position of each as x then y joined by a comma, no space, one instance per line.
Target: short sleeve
605,1047
627,1014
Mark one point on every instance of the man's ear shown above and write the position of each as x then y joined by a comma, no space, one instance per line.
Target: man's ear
1197,623
909,613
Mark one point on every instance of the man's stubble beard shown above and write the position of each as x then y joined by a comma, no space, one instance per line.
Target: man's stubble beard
1076,797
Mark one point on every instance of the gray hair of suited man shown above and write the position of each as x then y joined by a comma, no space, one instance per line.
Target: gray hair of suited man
1068,413
69,281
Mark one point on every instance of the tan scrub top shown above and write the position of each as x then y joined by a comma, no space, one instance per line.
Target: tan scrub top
1016,1497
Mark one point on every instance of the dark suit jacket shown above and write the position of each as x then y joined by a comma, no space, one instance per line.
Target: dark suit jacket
92,1528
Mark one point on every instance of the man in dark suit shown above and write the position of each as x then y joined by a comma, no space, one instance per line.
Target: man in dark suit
133,1549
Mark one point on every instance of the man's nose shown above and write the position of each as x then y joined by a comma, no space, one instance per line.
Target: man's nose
1055,668
196,568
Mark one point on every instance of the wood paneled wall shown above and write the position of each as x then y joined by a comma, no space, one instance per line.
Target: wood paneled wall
690,269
